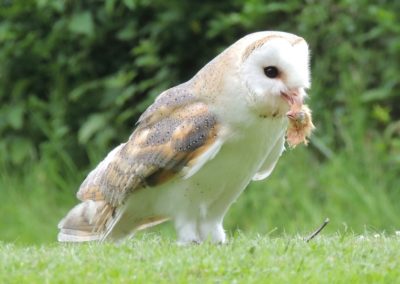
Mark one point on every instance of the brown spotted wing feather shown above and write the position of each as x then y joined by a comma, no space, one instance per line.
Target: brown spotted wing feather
171,134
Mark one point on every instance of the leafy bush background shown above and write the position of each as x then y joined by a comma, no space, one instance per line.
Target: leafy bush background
75,76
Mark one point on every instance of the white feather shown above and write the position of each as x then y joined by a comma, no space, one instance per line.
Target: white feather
271,159
202,159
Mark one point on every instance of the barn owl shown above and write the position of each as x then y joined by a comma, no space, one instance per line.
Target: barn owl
197,147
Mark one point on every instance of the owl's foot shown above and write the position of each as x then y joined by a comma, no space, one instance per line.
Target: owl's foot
187,232
197,232
212,231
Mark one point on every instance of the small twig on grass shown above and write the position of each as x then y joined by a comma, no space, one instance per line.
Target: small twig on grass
313,235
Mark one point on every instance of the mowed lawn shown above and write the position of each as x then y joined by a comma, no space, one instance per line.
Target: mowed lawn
151,258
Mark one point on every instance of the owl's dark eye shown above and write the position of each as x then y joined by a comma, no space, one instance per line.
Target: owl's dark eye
271,72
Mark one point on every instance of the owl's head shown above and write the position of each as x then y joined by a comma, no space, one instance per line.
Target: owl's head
274,67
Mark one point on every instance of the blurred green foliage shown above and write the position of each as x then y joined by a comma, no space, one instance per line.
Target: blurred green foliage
75,76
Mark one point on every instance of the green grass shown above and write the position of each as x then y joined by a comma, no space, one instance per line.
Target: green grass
260,259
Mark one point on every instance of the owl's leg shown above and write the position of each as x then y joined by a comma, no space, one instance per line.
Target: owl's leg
192,232
187,231
211,225
212,230
200,223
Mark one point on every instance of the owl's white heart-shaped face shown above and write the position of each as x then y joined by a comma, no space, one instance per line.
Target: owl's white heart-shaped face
275,69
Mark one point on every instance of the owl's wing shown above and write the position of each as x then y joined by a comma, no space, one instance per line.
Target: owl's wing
175,137
271,160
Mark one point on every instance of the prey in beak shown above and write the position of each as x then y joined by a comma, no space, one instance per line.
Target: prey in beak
300,119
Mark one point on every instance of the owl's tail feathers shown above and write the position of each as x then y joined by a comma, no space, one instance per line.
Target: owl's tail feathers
87,221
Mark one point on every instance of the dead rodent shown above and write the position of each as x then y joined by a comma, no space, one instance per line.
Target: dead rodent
300,125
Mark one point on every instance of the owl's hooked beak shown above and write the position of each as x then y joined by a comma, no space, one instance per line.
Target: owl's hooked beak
292,97
297,116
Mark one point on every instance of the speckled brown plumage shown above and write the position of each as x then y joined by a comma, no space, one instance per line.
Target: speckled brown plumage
175,130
